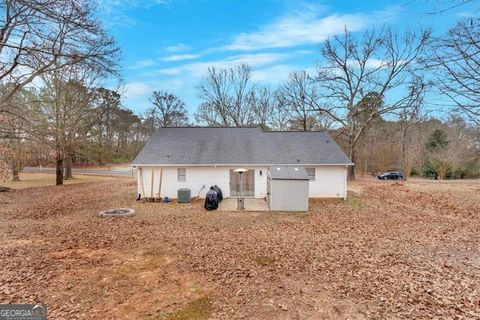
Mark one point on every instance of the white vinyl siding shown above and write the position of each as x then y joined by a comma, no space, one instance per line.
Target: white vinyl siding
330,181
261,182
181,175
196,178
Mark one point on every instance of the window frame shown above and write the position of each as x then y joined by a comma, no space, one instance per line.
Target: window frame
184,175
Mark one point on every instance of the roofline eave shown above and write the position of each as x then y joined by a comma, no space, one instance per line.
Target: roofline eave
237,164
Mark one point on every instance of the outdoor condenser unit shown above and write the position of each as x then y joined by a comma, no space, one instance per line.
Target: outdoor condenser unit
184,195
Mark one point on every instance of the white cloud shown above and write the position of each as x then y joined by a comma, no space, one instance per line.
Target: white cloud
269,68
184,79
112,5
374,63
170,71
180,57
116,13
304,51
136,94
306,26
198,69
179,47
258,59
138,88
145,63
273,74
278,73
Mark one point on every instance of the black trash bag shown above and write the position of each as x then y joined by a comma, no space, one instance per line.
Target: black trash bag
211,200
219,191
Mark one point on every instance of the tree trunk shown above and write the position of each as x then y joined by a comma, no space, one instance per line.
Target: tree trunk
406,169
59,171
16,170
365,168
352,154
68,166
442,170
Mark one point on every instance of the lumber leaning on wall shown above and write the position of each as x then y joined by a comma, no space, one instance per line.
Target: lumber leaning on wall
151,182
160,183
140,170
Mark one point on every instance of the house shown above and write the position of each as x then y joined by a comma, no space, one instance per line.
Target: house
197,158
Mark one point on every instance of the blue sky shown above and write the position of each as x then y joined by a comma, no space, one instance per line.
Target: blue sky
169,44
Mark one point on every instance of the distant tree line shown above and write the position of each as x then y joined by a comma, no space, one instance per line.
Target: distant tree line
377,93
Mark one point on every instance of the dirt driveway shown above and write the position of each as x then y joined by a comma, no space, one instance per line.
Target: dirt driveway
409,251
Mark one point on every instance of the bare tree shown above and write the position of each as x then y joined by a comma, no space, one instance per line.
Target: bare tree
465,144
117,134
370,66
227,97
5,169
207,115
15,126
410,115
168,110
66,114
18,131
440,154
456,65
37,37
281,117
301,97
262,101
107,103
43,37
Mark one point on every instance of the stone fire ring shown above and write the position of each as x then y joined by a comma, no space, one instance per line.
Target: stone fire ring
120,212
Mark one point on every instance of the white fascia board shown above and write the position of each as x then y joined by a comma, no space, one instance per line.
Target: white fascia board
244,165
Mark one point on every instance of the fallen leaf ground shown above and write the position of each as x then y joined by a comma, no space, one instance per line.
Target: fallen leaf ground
392,250
30,180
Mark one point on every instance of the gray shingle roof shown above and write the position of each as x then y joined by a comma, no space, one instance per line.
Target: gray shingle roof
195,145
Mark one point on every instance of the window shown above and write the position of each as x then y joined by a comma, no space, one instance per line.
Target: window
311,173
182,174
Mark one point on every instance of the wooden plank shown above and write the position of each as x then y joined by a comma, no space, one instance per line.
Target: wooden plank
160,184
151,182
140,169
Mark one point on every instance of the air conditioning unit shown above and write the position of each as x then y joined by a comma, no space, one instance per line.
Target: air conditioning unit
184,195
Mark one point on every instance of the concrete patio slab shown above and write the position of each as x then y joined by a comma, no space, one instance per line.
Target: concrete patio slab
250,205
